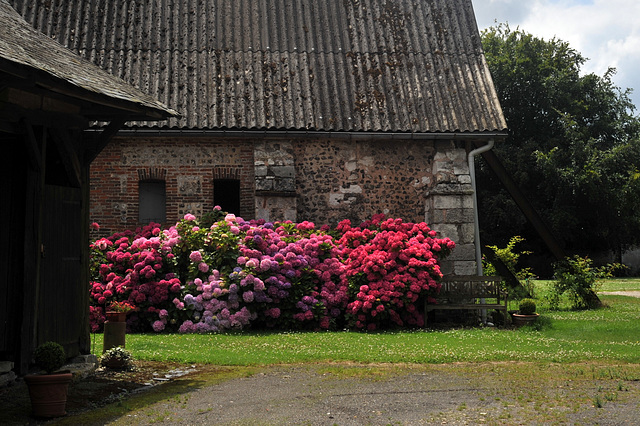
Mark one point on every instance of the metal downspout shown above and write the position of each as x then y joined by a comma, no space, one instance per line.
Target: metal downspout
476,238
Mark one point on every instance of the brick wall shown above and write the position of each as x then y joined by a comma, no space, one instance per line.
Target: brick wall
188,167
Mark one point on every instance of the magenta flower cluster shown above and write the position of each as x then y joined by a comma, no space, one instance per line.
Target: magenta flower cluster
236,274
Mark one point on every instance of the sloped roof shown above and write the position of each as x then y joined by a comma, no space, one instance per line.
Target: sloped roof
328,65
23,50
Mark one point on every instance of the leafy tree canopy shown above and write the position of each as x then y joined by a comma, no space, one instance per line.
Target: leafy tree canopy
573,146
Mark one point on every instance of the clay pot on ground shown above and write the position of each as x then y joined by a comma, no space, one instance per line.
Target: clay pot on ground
48,393
520,320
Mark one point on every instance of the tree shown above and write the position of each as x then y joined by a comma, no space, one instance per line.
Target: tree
573,146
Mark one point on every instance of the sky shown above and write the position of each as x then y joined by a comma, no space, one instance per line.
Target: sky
606,32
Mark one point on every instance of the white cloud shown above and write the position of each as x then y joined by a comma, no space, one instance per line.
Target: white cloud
607,32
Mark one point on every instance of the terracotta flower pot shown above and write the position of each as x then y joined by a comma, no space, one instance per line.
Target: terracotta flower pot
48,393
116,364
114,316
519,319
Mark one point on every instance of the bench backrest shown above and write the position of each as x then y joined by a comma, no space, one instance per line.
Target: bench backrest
470,286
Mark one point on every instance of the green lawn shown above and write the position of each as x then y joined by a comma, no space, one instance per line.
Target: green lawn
609,334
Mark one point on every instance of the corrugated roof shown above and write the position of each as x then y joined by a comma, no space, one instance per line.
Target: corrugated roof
329,65
21,44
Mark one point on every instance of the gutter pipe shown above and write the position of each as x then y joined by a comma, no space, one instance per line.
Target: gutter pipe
476,238
350,135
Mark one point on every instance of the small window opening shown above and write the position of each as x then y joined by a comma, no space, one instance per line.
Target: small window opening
152,201
226,194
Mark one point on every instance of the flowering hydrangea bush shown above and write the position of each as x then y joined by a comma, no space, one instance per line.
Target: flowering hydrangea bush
389,264
226,273
132,269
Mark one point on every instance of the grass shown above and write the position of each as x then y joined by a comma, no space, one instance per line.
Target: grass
576,367
609,334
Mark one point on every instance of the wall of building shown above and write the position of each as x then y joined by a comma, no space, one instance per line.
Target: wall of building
320,180
188,167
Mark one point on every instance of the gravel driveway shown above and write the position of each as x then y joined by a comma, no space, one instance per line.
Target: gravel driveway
350,394
622,293
326,394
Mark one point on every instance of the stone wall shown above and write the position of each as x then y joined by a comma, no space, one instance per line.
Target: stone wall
344,179
275,170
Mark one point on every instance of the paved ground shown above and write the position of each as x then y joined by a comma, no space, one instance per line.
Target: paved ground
412,396
347,394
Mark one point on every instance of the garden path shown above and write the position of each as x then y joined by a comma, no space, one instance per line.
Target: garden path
633,293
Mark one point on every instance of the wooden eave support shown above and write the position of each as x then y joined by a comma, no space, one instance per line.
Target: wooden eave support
103,138
36,160
525,206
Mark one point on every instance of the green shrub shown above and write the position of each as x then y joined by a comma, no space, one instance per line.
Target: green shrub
510,257
50,356
577,277
527,307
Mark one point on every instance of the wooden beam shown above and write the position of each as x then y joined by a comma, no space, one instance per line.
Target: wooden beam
13,113
35,155
525,206
34,187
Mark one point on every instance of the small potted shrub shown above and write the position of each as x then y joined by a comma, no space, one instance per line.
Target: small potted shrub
526,313
48,390
117,358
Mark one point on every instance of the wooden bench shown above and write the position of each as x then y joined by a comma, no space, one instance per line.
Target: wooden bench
467,292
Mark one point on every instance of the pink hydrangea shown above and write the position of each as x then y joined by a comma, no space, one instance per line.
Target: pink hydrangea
195,256
158,326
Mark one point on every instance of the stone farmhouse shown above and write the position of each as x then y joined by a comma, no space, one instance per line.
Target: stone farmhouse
290,109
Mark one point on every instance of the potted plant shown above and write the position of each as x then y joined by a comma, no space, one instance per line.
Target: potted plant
48,390
117,358
115,328
526,313
117,311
